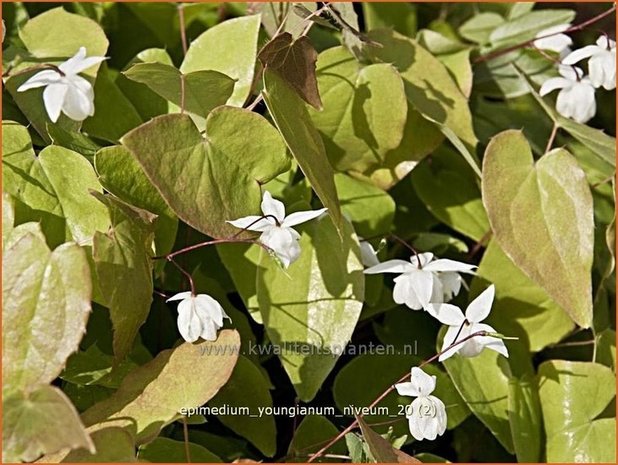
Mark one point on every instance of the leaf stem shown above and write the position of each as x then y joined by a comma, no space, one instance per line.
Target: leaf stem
185,432
552,137
381,397
577,27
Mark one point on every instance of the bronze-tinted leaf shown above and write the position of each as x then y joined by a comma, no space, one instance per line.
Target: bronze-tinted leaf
294,61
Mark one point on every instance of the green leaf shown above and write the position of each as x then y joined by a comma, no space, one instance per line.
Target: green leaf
528,25
479,27
525,419
38,422
203,90
165,450
8,217
241,261
573,395
606,348
73,140
428,84
460,208
94,367
272,14
399,16
260,430
236,60
310,310
149,398
113,445
121,174
521,308
541,216
370,209
293,60
114,114
311,433
382,450
351,389
124,270
220,173
601,144
46,302
52,37
52,188
483,383
364,112
293,121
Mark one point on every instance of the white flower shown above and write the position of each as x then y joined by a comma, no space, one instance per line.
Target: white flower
602,63
461,326
427,414
576,99
66,91
556,42
432,281
198,316
369,256
276,228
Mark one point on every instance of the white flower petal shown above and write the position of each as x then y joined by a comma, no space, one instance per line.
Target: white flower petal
77,105
180,296
407,389
480,307
451,284
580,54
404,293
283,242
449,339
424,382
79,62
424,258
40,79
54,97
422,282
209,330
253,223
552,84
369,256
207,307
447,314
274,207
444,264
296,218
391,266
189,324
492,343
440,414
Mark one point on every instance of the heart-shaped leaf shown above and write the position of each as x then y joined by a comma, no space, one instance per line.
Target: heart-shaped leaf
46,302
124,270
200,92
40,422
294,61
208,180
149,398
365,110
573,395
314,305
230,48
292,118
542,217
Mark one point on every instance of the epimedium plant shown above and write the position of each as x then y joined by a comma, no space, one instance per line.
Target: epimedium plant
199,202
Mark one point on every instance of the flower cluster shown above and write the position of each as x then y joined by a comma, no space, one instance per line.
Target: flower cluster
576,99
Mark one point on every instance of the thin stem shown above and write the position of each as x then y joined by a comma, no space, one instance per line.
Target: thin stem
552,137
387,392
183,33
185,273
409,247
35,68
185,431
225,240
577,27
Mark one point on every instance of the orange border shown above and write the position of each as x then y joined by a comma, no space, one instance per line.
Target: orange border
285,1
